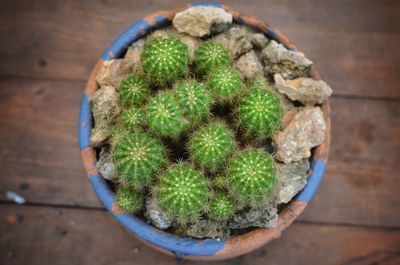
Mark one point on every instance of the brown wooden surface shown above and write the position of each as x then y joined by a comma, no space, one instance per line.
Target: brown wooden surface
42,235
48,49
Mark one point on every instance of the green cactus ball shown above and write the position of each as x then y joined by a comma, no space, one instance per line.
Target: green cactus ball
210,55
133,90
259,113
221,207
194,98
132,119
183,192
165,59
251,175
165,116
225,83
129,200
258,82
210,146
137,158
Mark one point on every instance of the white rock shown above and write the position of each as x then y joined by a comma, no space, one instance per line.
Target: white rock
201,21
305,131
237,40
248,65
292,179
155,214
259,40
290,64
106,165
306,90
112,72
133,56
191,42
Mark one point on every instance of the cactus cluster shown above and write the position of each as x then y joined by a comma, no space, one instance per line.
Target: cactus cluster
166,104
211,145
165,59
183,192
210,55
251,175
259,112
129,200
137,158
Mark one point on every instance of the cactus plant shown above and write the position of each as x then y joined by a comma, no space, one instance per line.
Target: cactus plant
210,55
259,113
128,199
221,207
219,182
183,192
194,98
132,119
225,83
137,158
165,116
133,90
258,82
211,145
251,175
165,59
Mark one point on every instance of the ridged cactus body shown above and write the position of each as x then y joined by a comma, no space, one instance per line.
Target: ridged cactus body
183,192
225,83
165,116
132,119
211,145
251,175
165,59
222,206
137,158
259,113
210,55
194,98
133,90
128,199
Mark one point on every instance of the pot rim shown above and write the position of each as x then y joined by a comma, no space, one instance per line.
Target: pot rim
187,247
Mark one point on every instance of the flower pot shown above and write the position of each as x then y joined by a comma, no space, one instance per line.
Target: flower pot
185,247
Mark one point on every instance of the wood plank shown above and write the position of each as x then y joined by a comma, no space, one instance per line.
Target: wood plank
41,235
356,54
39,156
363,178
38,120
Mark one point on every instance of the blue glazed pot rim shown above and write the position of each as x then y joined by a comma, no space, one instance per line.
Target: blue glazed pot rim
186,246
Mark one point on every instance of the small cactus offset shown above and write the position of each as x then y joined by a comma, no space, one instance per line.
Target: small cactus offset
165,59
133,90
251,176
194,98
129,200
225,83
219,182
259,113
258,82
221,207
183,192
211,146
132,119
210,55
165,116
137,158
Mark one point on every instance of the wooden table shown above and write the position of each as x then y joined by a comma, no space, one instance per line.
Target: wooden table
48,49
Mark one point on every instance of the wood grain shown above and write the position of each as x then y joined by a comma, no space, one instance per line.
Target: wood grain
39,156
41,235
357,54
39,118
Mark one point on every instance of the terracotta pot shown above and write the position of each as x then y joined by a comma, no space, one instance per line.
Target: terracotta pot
185,247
